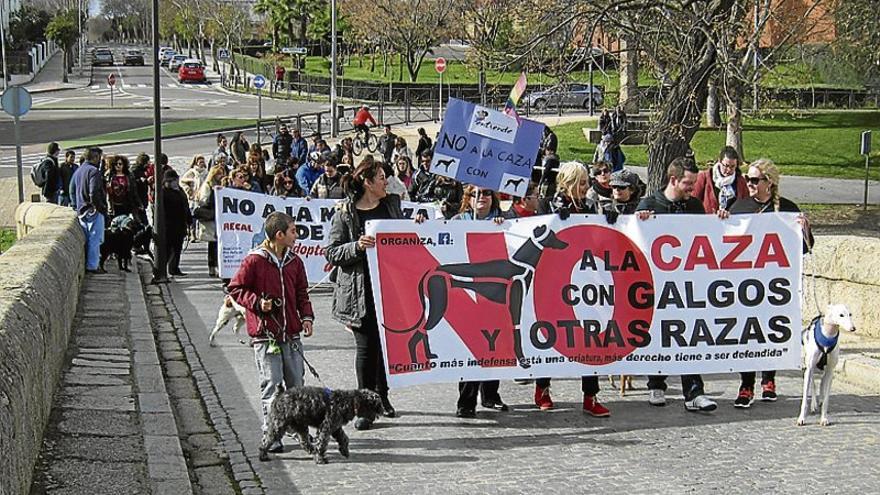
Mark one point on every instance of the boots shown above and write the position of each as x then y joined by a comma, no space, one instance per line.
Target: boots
542,398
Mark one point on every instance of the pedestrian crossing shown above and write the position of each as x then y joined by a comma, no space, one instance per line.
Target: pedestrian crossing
7,159
144,86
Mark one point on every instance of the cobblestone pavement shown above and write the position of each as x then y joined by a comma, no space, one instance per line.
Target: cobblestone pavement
640,449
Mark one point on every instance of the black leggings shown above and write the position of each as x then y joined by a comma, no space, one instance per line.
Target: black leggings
467,393
212,254
368,363
748,378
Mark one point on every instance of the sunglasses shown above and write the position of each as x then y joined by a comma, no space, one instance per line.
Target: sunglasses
603,171
288,183
619,188
755,180
484,193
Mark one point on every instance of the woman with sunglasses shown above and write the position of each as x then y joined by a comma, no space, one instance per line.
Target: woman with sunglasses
479,204
206,215
718,187
600,187
286,185
353,304
121,189
572,183
763,183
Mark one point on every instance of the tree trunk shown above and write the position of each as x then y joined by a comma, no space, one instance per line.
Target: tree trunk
670,135
303,24
734,118
713,109
384,63
400,72
373,61
629,76
64,58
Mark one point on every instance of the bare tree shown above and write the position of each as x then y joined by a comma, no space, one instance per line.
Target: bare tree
410,27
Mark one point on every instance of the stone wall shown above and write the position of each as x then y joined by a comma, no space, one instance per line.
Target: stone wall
847,270
40,277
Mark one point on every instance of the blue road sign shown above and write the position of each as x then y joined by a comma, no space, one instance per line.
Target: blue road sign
259,81
16,101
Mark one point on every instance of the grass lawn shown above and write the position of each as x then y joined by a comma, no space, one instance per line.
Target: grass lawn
169,129
817,145
7,239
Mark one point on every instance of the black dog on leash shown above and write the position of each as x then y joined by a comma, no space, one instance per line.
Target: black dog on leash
119,241
327,410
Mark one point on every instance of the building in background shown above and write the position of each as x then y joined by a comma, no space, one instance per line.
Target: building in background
7,8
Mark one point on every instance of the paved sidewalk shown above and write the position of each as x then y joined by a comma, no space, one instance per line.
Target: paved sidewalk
640,449
51,75
112,429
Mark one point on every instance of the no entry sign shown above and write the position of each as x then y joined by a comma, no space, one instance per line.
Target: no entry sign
440,65
111,79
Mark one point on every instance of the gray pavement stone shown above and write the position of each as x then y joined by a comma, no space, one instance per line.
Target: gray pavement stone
89,370
72,378
176,369
89,342
190,417
212,480
149,378
153,402
98,402
93,448
158,423
80,477
115,358
99,423
100,364
169,469
181,388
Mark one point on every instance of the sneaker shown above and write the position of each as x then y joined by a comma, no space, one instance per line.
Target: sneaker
362,424
657,397
276,447
522,381
497,403
464,412
594,408
700,403
769,393
542,398
387,409
744,399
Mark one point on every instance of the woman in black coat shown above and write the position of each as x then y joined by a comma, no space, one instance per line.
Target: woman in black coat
175,206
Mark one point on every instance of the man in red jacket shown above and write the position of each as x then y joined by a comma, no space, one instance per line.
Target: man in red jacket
271,285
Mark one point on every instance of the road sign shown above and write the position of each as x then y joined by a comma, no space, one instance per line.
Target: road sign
111,79
16,101
294,50
440,65
222,54
865,148
259,81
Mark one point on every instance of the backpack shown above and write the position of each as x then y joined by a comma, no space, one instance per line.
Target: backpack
40,172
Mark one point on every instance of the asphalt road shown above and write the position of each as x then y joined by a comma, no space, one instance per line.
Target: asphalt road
77,113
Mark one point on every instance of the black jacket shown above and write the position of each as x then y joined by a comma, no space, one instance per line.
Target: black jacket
177,214
282,145
750,205
660,205
50,187
386,145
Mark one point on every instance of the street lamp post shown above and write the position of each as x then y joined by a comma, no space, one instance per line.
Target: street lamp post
160,271
82,44
3,43
334,122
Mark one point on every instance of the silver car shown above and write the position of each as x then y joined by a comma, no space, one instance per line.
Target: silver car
175,62
571,95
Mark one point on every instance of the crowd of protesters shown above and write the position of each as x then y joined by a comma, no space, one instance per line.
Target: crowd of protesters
98,186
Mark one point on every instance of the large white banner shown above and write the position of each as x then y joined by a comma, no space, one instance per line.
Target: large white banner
241,214
542,297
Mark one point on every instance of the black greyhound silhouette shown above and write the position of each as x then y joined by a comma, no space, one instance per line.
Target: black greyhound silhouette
516,182
501,281
445,163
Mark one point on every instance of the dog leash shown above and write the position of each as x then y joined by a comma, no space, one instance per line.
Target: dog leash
299,349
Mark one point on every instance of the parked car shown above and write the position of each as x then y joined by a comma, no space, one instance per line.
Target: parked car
175,62
166,56
191,70
133,57
102,56
572,95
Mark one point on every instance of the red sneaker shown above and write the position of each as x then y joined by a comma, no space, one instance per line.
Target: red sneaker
542,398
594,408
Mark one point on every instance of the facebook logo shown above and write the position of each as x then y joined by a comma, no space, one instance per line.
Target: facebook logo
444,239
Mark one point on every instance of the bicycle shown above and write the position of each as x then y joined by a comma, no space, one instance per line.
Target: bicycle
364,139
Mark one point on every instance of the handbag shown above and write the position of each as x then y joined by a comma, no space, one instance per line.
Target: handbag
204,213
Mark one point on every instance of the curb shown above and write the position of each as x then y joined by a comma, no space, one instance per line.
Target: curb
166,465
861,370
164,137
243,471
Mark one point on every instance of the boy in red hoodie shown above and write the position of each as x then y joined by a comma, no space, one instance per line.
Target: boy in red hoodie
271,284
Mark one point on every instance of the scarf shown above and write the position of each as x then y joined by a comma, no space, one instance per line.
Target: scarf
725,185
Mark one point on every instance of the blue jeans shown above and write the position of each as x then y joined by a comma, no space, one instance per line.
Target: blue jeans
93,228
275,369
63,200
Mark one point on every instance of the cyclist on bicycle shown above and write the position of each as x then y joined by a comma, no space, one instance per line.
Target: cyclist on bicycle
361,118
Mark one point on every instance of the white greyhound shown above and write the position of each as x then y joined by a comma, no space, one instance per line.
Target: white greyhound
821,353
229,310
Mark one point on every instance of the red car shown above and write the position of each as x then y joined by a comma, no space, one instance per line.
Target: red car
191,71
